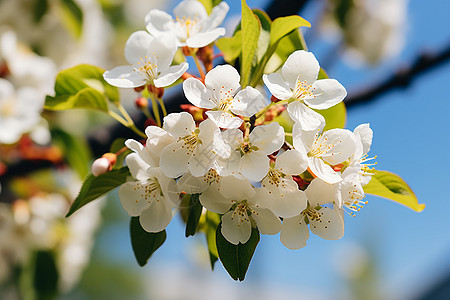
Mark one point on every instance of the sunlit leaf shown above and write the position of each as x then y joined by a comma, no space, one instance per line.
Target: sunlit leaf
72,16
82,86
250,27
212,220
391,186
231,47
236,258
94,187
144,243
282,26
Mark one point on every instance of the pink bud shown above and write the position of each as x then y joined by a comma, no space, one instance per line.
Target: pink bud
100,166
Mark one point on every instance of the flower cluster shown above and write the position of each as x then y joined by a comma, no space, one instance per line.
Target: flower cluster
234,155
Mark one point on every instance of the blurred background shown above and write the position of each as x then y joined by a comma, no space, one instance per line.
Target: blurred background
393,56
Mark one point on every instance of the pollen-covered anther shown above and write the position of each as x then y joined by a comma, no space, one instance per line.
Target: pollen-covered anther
311,214
303,90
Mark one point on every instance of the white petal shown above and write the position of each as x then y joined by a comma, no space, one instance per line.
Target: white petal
284,201
134,145
305,116
277,86
365,134
342,145
124,77
330,226
202,39
169,187
171,75
319,192
158,22
224,119
323,171
179,124
255,165
174,159
327,93
202,160
217,16
138,167
294,232
137,46
223,81
192,9
247,102
268,138
211,138
196,92
191,184
163,48
156,217
235,188
236,228
157,140
266,221
233,137
303,64
131,195
228,166
214,201
292,162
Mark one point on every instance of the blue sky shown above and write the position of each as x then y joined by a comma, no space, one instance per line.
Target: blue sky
410,138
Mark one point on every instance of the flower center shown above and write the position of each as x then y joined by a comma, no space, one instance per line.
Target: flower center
242,211
211,177
191,141
321,146
225,104
147,67
149,189
303,90
311,213
275,177
187,27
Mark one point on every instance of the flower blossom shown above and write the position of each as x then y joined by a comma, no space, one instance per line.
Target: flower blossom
237,200
298,83
194,149
20,111
150,61
220,94
326,222
192,26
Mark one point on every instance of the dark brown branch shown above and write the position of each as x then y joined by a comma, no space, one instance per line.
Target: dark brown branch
402,78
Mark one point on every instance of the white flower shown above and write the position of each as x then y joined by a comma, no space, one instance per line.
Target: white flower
19,111
283,196
197,185
150,60
151,196
194,149
250,155
363,138
298,82
237,200
326,222
325,150
220,94
192,26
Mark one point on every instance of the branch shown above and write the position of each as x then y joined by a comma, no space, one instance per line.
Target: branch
282,8
402,78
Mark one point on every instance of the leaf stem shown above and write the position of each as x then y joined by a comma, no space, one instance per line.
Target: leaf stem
127,123
155,109
163,106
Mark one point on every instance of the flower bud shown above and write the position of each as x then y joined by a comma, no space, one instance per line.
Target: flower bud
141,102
103,164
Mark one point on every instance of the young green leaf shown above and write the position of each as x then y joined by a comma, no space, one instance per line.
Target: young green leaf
231,47
94,187
212,220
195,212
144,243
250,27
391,186
236,258
282,26
72,16
46,276
82,86
75,150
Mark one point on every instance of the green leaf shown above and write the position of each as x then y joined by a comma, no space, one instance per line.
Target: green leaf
94,187
236,258
72,16
76,151
212,220
144,243
282,26
250,34
287,45
45,277
231,47
391,186
195,212
40,8
82,86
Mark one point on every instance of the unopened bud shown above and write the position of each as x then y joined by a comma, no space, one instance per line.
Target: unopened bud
139,88
141,102
104,164
186,51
